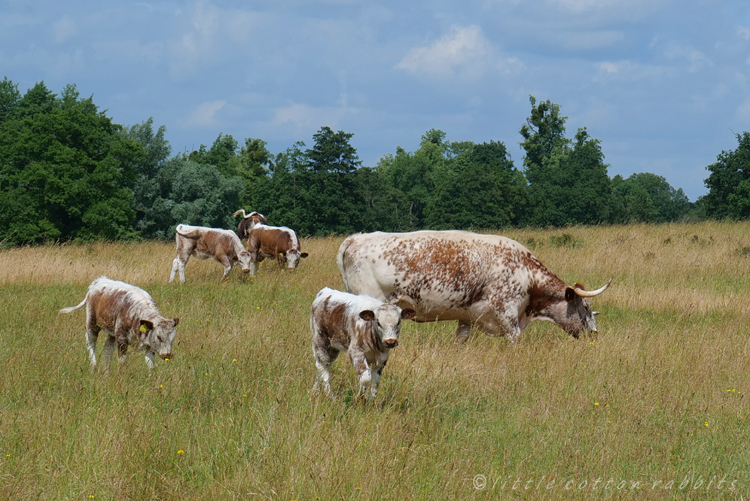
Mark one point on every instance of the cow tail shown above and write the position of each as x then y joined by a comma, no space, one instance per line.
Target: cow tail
71,309
340,261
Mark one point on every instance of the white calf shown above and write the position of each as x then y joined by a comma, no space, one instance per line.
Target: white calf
364,327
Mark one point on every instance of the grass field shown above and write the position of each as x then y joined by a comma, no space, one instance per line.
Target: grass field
654,406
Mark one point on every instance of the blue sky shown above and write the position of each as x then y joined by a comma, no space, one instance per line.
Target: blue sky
664,84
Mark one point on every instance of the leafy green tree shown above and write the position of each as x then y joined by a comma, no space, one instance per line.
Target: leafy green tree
670,204
65,172
415,175
568,182
9,99
727,184
222,155
332,152
150,188
478,188
199,194
255,163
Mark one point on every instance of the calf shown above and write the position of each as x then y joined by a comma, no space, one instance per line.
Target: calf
366,328
275,242
248,222
129,316
222,245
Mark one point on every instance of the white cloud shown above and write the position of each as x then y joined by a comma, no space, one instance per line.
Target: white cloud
744,32
305,119
675,51
743,111
64,29
204,115
464,48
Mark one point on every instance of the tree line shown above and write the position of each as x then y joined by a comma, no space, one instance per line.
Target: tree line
68,172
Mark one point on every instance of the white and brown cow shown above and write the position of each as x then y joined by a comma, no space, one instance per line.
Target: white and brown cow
364,327
487,281
248,222
277,242
129,316
222,245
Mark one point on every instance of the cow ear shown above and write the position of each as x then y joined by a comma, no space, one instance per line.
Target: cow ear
408,313
145,327
304,254
367,315
176,321
570,294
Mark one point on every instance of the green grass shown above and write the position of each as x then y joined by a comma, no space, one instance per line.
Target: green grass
657,396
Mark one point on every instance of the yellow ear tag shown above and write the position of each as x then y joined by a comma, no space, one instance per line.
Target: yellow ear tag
143,328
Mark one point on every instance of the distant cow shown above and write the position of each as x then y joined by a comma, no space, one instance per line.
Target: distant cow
488,281
248,222
275,242
364,327
129,316
222,245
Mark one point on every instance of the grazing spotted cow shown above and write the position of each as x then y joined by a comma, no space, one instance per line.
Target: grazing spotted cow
248,222
129,316
488,281
274,242
364,327
222,245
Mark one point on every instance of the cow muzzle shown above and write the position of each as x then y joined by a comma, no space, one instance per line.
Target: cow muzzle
390,343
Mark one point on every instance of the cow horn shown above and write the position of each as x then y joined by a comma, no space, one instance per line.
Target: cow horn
241,211
584,293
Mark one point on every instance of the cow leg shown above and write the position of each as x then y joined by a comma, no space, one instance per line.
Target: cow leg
122,350
227,263
376,373
362,367
91,336
150,361
254,259
324,357
463,332
178,265
109,348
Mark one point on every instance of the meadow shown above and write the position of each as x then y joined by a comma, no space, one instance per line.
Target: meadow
653,406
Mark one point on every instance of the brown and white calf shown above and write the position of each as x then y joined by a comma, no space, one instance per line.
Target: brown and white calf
274,242
248,222
222,245
129,316
487,281
364,327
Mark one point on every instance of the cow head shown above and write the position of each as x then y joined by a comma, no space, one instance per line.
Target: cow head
386,322
574,314
159,335
245,261
292,258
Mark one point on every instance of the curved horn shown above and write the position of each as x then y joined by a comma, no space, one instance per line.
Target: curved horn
241,211
583,293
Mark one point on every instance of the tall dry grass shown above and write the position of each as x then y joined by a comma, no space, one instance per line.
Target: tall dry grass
652,407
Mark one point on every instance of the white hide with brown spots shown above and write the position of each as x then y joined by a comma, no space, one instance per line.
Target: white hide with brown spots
129,316
363,327
222,245
487,281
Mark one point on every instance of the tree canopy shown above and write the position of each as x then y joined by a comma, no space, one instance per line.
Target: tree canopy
68,172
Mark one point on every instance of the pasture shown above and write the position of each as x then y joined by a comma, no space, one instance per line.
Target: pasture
654,406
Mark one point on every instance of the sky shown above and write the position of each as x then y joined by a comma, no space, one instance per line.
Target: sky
663,84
